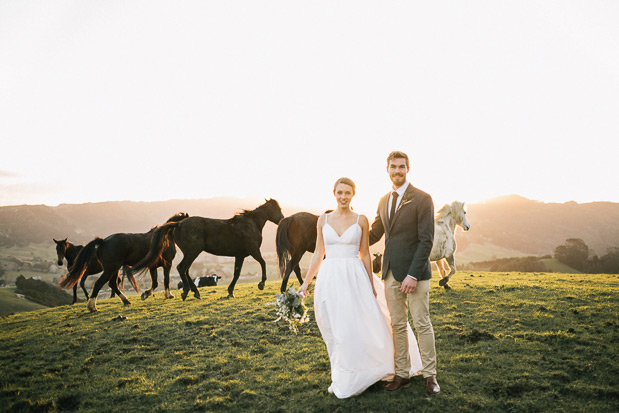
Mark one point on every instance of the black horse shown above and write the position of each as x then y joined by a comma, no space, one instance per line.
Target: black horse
114,252
238,237
296,235
69,251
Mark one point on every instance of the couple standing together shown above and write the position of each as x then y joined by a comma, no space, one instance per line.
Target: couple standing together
363,320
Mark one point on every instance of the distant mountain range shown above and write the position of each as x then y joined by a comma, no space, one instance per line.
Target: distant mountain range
511,224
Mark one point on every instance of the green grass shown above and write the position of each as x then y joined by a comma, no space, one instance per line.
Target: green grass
505,342
10,303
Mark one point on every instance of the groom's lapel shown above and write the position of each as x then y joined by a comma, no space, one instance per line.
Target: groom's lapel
407,198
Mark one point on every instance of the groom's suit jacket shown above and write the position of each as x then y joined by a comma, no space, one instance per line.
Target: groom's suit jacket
409,237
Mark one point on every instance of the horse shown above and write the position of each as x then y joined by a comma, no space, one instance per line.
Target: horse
115,251
69,251
238,237
444,245
295,236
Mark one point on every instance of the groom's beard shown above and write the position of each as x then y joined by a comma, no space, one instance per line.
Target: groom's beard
398,179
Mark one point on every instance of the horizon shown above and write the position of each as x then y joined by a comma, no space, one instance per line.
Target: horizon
115,101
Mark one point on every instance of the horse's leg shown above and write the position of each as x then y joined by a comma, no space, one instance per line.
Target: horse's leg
114,286
451,260
83,285
166,281
263,265
74,294
238,264
183,271
92,301
293,265
442,272
153,284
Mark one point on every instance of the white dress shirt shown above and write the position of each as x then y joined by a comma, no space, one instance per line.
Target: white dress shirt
400,192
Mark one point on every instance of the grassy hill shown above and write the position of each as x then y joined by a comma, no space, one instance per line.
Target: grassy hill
10,303
505,341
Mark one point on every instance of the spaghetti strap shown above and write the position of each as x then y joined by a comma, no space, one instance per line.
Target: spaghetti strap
358,215
326,215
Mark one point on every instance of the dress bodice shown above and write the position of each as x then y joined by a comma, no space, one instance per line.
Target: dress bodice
342,246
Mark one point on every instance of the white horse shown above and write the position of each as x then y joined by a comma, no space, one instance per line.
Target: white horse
444,245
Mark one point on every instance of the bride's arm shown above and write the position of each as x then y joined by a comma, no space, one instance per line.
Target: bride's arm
364,248
319,254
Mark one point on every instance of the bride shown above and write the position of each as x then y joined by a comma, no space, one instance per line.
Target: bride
349,301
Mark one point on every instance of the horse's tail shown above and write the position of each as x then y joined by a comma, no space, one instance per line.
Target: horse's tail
158,243
282,244
76,272
129,273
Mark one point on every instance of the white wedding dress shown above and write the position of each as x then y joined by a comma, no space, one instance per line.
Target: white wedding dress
354,324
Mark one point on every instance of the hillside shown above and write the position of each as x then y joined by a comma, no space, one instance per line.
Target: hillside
80,223
532,227
501,227
506,342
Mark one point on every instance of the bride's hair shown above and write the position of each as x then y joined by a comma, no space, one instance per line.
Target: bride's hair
346,181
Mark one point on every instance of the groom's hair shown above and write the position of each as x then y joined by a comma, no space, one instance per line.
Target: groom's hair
397,155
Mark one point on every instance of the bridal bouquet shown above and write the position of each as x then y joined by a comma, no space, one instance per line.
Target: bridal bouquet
291,308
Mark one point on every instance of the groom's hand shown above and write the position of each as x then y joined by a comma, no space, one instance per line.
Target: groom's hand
408,285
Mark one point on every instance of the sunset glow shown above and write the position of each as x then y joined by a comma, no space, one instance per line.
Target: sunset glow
155,100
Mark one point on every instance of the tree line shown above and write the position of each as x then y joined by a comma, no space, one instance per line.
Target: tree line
574,253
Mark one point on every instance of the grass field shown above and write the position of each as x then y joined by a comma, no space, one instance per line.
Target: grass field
505,342
10,303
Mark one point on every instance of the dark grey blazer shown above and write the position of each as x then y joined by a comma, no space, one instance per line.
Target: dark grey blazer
408,241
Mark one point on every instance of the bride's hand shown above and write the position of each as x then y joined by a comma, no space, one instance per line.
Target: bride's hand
302,291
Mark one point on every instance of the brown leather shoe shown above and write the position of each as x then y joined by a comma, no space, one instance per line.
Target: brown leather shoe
432,386
397,383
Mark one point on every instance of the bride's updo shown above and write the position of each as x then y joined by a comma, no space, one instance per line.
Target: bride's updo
345,181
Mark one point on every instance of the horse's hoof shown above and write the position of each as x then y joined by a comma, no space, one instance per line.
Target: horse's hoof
447,287
170,295
443,281
261,285
197,295
230,295
183,296
144,296
127,303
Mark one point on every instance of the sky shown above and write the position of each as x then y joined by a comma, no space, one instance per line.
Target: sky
157,100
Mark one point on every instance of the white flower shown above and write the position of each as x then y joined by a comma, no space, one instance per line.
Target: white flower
290,308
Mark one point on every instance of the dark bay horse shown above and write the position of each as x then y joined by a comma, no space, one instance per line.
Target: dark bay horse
69,251
115,251
238,237
296,235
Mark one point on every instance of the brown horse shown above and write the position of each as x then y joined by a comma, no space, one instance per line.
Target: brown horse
69,251
114,252
238,237
296,235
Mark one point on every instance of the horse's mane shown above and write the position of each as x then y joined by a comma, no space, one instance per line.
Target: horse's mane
174,218
178,217
444,212
248,212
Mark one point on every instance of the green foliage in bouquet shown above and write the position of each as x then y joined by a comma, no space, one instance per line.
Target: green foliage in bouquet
292,309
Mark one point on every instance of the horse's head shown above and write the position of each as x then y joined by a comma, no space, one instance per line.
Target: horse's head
61,249
457,208
273,210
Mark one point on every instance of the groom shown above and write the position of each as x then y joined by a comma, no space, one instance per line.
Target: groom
406,218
